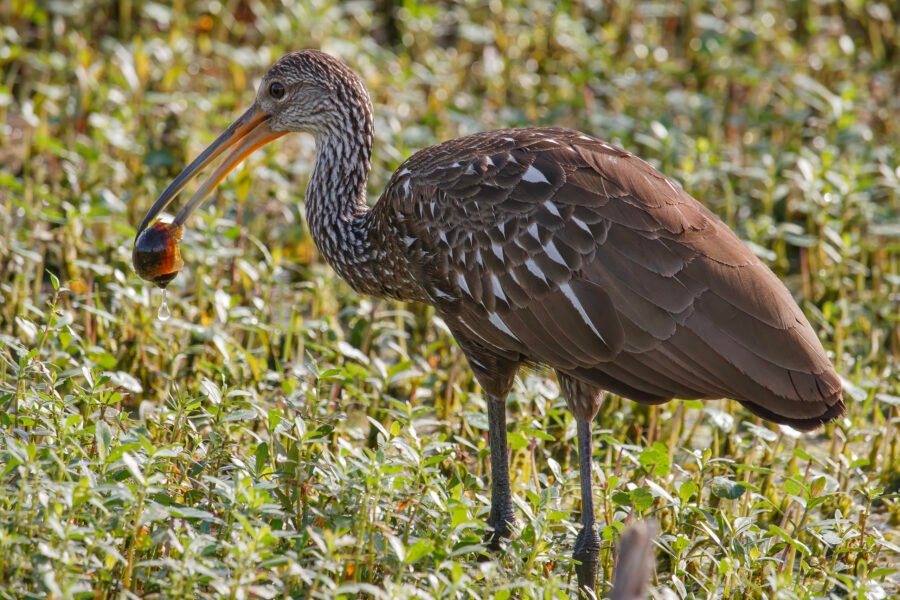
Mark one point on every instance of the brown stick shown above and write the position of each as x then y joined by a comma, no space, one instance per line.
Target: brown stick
634,563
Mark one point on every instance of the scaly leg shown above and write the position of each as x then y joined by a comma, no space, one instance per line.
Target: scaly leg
496,376
584,401
502,516
587,545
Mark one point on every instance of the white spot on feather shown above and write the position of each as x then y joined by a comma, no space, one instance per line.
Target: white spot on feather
569,293
581,224
554,255
498,250
498,289
533,175
497,322
409,241
533,230
551,208
461,281
535,270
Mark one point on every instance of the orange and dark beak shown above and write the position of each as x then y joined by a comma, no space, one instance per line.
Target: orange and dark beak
250,132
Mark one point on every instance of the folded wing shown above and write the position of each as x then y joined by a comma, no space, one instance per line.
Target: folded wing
548,246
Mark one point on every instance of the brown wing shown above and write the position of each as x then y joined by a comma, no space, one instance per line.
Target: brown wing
549,246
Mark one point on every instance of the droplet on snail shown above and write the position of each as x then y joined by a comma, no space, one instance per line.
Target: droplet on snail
157,255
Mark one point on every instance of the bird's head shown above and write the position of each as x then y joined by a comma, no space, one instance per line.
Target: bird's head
311,92
307,91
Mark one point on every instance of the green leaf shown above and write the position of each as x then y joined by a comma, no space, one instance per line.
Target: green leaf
860,462
418,550
188,512
516,440
681,543
655,460
377,425
802,454
275,417
262,456
611,531
103,437
882,572
244,414
458,515
687,490
794,487
817,486
537,433
798,545
725,488
132,465
621,498
641,498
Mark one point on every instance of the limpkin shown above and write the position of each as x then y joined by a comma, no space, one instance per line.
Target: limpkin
540,246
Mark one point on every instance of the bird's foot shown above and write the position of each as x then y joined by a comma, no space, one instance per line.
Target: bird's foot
587,552
502,522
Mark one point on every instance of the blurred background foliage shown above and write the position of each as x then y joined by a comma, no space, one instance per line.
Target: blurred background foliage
280,436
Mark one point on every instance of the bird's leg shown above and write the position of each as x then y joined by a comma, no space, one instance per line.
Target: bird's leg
587,545
495,375
584,401
502,516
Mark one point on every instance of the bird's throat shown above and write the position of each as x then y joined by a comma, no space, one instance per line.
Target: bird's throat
340,220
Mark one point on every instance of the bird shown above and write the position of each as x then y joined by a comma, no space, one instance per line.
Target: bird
539,247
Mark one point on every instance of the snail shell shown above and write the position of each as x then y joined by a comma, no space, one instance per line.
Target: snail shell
157,255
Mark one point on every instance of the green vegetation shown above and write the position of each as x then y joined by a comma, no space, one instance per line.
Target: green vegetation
281,437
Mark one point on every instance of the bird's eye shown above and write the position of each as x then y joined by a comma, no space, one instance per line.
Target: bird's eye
276,90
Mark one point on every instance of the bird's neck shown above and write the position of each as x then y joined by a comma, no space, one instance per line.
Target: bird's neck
349,235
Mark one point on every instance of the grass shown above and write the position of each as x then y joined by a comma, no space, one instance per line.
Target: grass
281,437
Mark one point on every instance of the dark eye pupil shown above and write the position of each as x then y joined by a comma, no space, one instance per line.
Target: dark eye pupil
276,90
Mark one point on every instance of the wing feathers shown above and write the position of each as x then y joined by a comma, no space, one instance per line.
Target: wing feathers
556,248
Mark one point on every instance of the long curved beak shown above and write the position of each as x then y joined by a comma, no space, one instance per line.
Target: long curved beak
248,133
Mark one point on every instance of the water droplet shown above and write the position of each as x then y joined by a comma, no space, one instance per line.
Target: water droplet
163,314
